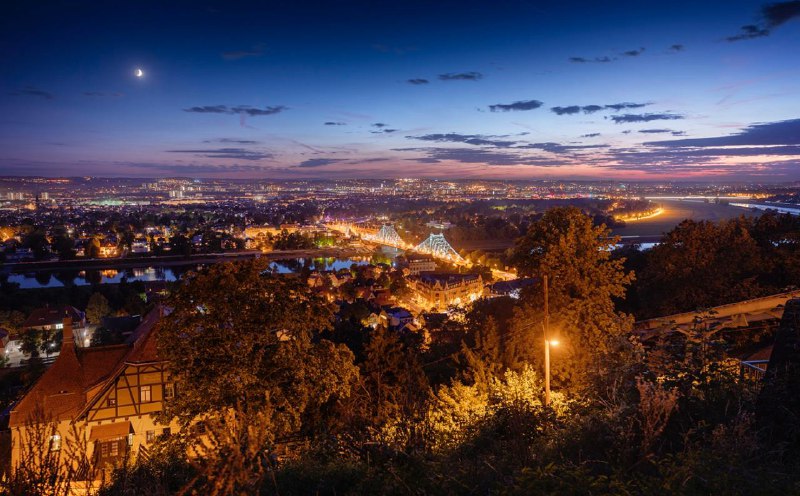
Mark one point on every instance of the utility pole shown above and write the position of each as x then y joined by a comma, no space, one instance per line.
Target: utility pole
546,326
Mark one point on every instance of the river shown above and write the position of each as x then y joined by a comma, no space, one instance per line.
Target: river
155,273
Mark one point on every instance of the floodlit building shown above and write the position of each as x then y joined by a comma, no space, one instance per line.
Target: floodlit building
440,291
97,400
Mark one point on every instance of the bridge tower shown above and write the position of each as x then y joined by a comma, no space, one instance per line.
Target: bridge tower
388,236
437,246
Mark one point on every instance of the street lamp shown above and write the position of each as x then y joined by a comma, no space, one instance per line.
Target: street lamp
547,344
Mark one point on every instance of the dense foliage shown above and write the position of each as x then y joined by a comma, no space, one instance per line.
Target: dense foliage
279,396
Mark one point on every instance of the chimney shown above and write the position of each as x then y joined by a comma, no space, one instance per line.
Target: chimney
68,338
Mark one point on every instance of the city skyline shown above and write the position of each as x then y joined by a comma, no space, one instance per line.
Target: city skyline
511,90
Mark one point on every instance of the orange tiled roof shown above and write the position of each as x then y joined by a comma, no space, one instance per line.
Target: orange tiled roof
64,389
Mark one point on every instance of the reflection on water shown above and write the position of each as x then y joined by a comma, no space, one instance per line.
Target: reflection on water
67,277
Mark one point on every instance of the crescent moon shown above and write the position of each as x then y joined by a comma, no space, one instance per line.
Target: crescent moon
139,73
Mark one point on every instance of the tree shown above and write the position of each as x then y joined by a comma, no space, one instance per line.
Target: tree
239,336
484,358
584,282
701,265
97,308
395,384
93,248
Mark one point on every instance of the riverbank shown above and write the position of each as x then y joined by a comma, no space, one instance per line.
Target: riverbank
174,260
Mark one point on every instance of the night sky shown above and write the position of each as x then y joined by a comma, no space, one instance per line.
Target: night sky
494,89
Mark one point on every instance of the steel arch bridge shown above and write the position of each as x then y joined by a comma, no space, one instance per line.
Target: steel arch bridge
387,235
438,246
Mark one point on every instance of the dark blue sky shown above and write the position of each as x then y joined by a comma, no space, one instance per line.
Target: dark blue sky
500,89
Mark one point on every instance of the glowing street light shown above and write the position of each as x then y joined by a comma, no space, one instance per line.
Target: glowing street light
547,344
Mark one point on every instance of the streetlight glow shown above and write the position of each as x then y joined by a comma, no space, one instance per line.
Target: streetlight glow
553,342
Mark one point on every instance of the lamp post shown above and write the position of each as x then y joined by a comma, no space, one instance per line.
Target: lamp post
547,343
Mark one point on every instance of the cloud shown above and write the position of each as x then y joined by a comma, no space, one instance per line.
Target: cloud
677,47
198,168
572,109
232,141
633,53
486,157
239,109
663,131
625,105
469,139
773,15
776,14
759,134
331,123
461,76
558,147
236,153
591,109
627,118
319,162
584,60
749,32
385,131
102,94
516,106
590,135
33,91
255,51
417,81
379,124
655,131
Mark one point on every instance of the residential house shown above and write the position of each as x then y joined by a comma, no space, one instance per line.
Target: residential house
98,400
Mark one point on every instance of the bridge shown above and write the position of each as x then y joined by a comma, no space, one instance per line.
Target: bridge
387,235
438,247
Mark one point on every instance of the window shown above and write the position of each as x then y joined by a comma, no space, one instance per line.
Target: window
112,402
144,394
151,436
114,448
166,432
169,391
130,439
55,442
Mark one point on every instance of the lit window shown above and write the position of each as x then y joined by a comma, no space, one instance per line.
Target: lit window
55,442
112,402
151,436
130,439
144,394
169,391
114,448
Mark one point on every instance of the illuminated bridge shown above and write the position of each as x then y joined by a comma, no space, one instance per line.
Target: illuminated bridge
388,236
437,246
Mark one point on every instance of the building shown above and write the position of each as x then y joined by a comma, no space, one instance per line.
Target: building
98,401
417,264
140,246
440,291
52,319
